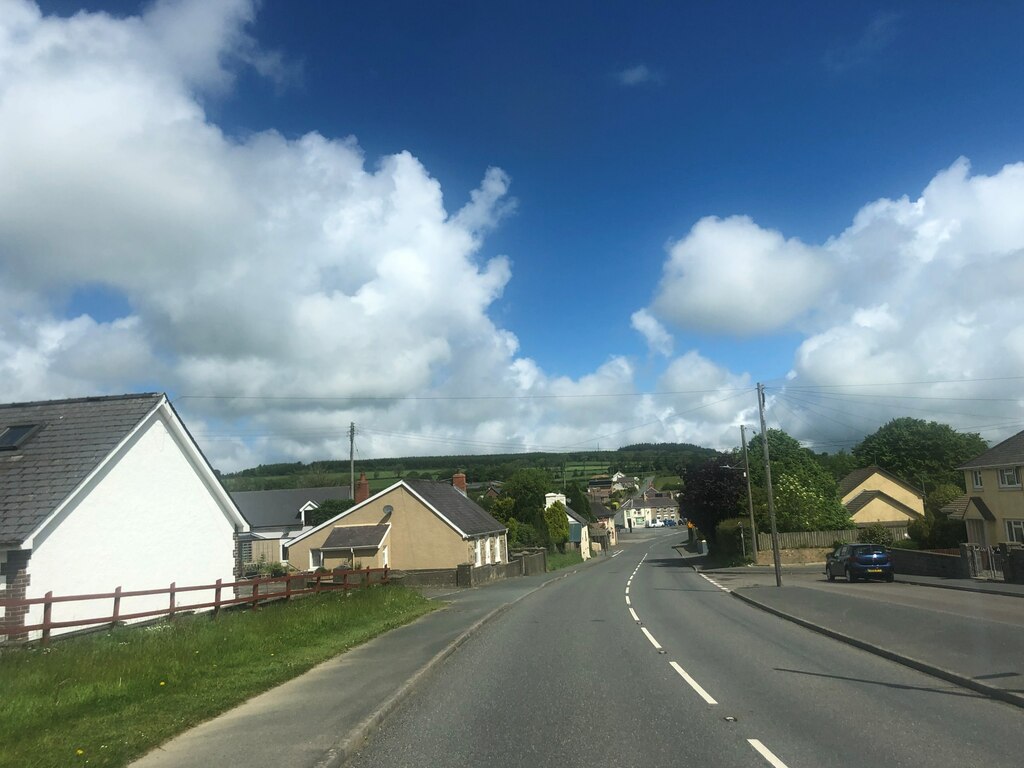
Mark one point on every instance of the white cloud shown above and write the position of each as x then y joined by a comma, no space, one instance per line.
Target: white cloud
732,276
638,74
879,34
658,339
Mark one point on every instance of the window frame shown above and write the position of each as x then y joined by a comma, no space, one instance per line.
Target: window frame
976,479
1015,531
1002,477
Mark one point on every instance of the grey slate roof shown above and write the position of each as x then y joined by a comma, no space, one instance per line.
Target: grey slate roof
76,436
1009,453
576,516
858,476
600,510
957,508
467,515
280,508
355,536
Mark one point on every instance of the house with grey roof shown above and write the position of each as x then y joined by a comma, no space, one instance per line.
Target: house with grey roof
277,515
579,526
993,507
102,492
421,524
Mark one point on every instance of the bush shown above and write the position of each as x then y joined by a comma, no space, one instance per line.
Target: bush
876,533
728,543
522,535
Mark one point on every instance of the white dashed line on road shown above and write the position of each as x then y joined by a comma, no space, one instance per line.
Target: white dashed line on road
712,581
766,753
657,646
633,614
627,600
693,684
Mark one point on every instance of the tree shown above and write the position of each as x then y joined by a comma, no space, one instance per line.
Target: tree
502,508
556,520
920,451
579,502
526,488
713,493
806,497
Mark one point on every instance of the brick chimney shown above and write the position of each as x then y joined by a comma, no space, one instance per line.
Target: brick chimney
362,489
459,481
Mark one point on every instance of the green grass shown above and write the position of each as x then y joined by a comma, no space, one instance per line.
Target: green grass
563,560
105,699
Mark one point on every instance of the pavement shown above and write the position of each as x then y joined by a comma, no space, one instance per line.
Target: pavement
321,718
973,639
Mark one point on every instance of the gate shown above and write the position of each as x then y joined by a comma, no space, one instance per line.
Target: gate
985,562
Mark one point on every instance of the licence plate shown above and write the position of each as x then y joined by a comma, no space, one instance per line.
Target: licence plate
874,570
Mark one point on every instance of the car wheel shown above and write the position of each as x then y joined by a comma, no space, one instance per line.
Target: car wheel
849,576
828,573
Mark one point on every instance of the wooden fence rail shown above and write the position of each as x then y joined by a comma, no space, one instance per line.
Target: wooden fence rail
804,539
259,590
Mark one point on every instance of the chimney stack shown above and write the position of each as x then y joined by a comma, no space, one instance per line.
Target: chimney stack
459,481
362,489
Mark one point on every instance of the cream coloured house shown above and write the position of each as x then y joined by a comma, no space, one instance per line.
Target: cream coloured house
993,507
872,495
411,525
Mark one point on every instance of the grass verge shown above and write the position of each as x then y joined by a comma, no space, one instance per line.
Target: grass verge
563,560
105,699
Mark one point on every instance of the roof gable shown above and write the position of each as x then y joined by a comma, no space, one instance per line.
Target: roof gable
858,476
861,500
74,439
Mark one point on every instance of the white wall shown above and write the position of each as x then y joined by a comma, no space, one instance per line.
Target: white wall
148,520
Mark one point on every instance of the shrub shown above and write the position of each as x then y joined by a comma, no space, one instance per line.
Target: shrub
727,542
876,533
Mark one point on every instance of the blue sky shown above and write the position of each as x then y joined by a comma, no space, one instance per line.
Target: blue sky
701,164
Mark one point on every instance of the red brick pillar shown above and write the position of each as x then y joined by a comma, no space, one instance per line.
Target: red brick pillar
15,571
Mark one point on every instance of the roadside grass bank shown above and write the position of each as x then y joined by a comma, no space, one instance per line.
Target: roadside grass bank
106,699
560,560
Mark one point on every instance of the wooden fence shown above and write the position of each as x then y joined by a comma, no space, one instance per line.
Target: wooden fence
250,592
806,539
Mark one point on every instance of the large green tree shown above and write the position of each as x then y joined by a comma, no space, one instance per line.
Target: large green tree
920,452
806,497
526,487
714,491
556,521
579,502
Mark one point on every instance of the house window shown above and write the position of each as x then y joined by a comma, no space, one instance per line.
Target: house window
1015,531
497,549
976,474
478,554
316,559
487,550
1009,477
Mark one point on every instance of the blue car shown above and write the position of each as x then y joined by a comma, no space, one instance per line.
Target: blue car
859,561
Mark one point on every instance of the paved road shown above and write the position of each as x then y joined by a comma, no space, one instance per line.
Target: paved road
568,677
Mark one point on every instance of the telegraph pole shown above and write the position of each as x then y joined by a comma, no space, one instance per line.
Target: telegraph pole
768,483
352,459
750,498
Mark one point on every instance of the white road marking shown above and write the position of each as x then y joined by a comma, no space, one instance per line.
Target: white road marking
627,600
616,554
627,590
766,753
709,579
650,637
633,614
693,684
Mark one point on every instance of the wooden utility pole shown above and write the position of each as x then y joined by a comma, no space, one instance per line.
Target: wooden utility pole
352,459
750,498
768,487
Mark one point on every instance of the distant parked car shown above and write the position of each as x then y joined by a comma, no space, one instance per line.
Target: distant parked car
859,561
658,524
670,523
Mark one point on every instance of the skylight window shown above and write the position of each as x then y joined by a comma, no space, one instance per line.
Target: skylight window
13,437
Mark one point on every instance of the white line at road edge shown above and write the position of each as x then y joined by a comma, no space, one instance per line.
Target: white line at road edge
766,753
695,685
650,637
709,579
627,600
633,614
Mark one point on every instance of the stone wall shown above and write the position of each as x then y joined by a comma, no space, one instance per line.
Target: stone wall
910,562
427,577
794,556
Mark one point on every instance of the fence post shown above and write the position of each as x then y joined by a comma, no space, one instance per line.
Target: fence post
288,586
255,594
344,582
216,598
170,591
47,616
117,607
386,580
316,585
